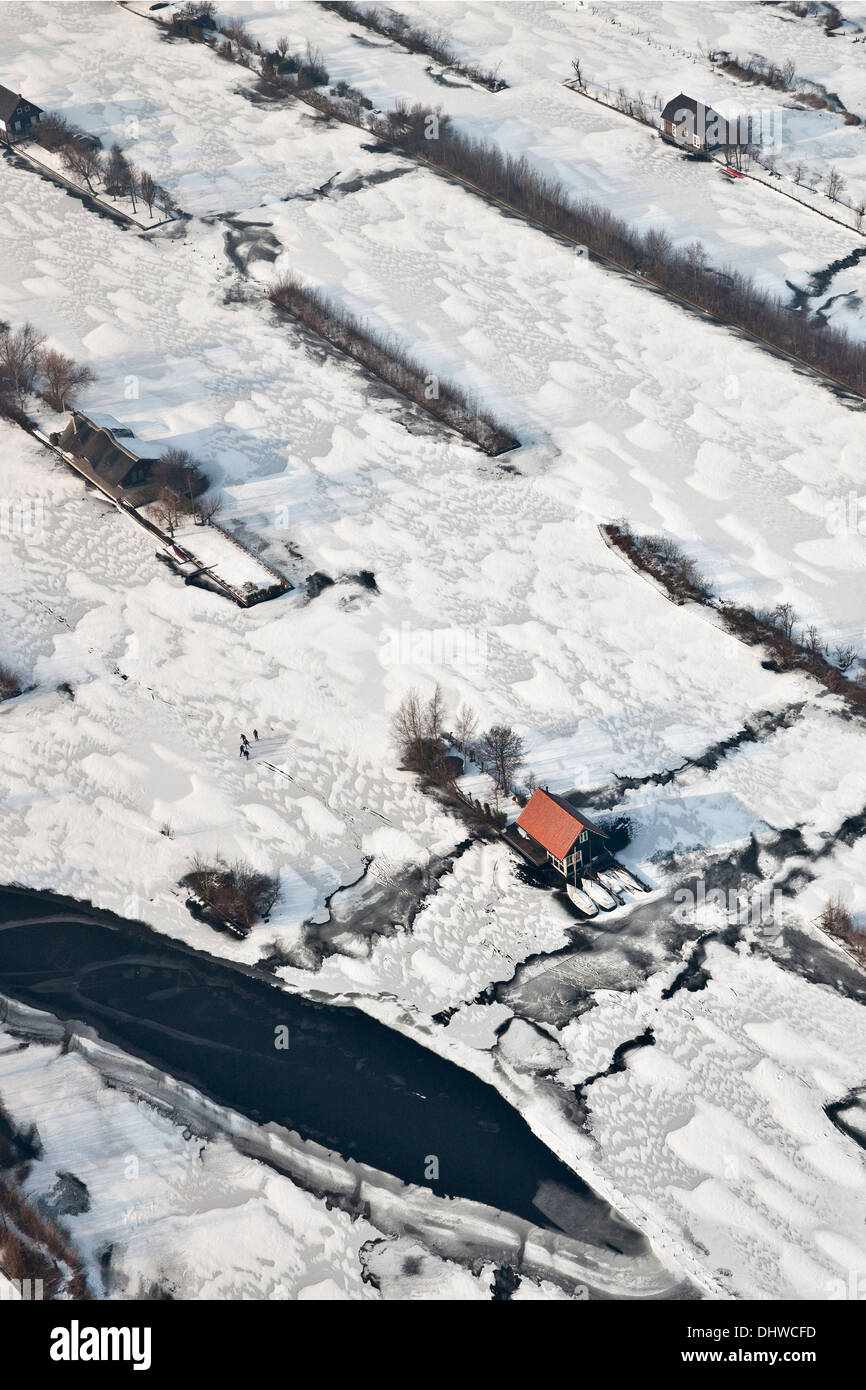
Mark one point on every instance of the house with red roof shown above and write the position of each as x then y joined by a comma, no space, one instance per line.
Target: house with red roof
568,837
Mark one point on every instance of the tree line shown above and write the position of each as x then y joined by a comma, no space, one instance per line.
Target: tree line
434,42
793,645
392,362
111,173
684,272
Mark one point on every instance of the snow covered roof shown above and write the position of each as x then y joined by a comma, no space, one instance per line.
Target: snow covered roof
681,105
554,822
123,435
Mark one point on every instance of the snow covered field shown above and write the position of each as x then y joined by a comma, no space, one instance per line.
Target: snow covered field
492,580
656,50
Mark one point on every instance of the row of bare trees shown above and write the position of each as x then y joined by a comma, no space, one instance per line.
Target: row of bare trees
282,68
28,367
663,558
791,644
684,272
111,173
836,921
796,647
766,72
434,42
424,743
392,362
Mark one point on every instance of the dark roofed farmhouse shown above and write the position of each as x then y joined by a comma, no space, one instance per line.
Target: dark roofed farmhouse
698,128
17,115
121,461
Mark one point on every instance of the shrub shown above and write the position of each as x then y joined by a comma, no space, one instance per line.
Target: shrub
181,473
393,25
835,917
235,29
10,684
836,921
663,558
237,892
54,131
618,830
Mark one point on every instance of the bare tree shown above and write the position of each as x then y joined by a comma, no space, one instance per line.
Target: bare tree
283,46
235,28
207,510
417,729
147,189
845,657
465,728
117,172
408,728
695,257
61,378
168,509
19,357
166,201
133,188
503,752
784,618
575,63
658,246
83,160
177,470
812,641
835,183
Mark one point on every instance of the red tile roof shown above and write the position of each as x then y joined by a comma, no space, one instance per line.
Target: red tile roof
554,822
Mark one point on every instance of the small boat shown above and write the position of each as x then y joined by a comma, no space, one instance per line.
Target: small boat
599,894
612,884
630,880
581,900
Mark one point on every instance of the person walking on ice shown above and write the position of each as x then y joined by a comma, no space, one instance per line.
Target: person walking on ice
255,735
